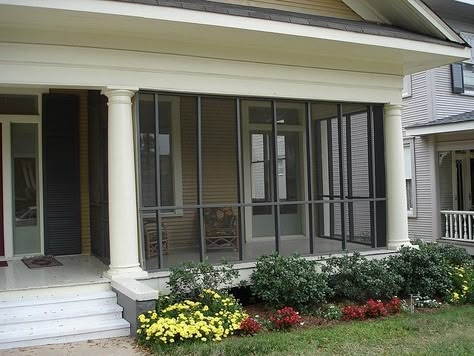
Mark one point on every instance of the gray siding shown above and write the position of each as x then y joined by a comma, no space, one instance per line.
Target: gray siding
417,108
431,98
447,103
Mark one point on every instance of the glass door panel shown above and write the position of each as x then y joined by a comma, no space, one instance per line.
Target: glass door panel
26,233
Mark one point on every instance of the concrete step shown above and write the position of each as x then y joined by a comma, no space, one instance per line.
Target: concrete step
59,303
55,292
44,319
63,314
68,333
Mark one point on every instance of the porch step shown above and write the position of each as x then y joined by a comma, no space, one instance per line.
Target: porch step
82,315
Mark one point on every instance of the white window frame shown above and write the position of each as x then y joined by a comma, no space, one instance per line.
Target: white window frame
468,37
407,82
410,142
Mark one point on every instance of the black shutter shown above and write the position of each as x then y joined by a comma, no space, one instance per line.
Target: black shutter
62,224
457,78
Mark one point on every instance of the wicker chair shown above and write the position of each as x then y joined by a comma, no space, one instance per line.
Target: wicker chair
151,238
221,228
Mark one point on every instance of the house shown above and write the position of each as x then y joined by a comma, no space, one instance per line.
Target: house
438,121
146,133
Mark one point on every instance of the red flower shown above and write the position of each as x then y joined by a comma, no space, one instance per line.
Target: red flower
394,306
249,326
285,319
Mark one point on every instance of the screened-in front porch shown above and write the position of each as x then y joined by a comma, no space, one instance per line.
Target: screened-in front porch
237,178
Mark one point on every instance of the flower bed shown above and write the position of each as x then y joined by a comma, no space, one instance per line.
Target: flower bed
211,318
194,313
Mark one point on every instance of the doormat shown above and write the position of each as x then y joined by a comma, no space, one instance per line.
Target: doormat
41,261
3,264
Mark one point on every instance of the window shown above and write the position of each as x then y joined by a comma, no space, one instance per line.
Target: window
15,104
169,147
463,73
409,154
406,92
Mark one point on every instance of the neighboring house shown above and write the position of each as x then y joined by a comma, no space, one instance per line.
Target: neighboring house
148,133
438,118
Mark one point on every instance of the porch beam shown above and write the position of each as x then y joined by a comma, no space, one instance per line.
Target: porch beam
397,222
123,214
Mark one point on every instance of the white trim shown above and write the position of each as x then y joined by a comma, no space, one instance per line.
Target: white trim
435,20
407,84
91,68
443,128
455,145
410,142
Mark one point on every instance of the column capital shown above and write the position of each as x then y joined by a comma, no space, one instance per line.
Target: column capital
119,94
393,109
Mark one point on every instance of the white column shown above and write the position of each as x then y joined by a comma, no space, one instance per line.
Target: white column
435,189
123,216
397,222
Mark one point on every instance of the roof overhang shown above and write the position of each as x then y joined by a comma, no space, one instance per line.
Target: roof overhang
440,129
113,24
412,15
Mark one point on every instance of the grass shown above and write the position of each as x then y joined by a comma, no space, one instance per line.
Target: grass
448,331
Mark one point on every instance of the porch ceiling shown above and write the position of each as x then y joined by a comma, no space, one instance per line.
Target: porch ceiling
116,25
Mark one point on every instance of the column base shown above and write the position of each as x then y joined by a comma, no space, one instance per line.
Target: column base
397,245
125,272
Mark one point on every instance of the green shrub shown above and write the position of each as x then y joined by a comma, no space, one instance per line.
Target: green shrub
189,279
453,255
332,312
288,281
425,271
356,278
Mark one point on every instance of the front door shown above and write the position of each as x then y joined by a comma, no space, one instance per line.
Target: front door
463,180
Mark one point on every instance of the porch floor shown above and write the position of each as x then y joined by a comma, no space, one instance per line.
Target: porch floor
75,270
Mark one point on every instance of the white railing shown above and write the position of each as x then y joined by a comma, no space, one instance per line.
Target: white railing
459,225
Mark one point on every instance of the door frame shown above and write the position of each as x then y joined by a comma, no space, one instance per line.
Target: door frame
8,215
465,159
247,128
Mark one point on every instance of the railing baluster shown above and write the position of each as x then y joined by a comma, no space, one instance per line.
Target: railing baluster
470,227
446,233
451,229
464,219
455,218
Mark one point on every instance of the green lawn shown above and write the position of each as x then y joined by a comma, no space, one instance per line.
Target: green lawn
449,331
